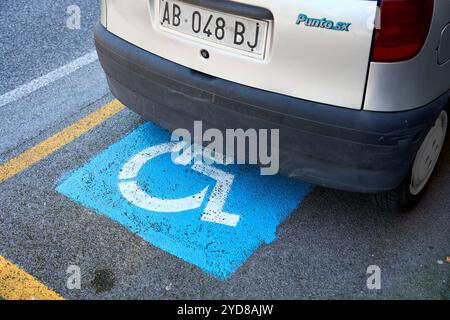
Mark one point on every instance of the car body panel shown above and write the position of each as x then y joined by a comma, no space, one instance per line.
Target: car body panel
444,46
316,64
335,147
316,86
414,83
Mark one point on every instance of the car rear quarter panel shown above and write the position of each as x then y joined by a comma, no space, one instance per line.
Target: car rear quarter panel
416,82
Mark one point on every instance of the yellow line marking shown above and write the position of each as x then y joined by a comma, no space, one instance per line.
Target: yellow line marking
16,284
57,141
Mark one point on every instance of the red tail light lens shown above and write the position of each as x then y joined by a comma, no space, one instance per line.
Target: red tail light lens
404,29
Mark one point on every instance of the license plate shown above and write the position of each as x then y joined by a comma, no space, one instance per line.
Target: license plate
246,35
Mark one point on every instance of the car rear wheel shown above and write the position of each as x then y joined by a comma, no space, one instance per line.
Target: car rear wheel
413,187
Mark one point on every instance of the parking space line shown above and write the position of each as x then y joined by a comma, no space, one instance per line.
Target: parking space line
45,80
16,284
57,141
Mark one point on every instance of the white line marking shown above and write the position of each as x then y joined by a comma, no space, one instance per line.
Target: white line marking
214,210
45,80
135,195
131,169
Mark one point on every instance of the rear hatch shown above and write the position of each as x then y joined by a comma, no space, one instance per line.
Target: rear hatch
317,50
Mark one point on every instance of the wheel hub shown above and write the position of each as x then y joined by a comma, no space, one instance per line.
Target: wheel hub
428,155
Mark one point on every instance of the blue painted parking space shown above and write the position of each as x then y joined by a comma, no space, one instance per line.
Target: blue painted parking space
214,216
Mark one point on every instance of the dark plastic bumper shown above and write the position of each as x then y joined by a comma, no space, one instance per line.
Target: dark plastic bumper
329,146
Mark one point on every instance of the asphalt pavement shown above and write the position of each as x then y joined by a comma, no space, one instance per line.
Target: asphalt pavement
322,249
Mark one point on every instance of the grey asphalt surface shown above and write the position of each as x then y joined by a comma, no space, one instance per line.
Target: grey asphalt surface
322,251
34,39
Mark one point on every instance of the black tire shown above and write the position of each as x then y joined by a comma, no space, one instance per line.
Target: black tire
401,200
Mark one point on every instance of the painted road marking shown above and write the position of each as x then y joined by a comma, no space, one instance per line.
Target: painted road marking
45,80
261,202
214,210
132,192
16,284
57,141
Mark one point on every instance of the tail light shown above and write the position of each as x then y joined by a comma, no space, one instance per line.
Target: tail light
404,27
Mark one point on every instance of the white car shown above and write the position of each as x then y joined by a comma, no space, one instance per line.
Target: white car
359,89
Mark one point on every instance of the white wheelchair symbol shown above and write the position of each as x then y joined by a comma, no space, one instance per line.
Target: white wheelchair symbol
214,212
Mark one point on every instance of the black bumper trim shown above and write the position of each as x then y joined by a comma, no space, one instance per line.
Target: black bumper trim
326,145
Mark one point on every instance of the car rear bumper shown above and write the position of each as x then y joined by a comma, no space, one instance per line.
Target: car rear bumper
329,146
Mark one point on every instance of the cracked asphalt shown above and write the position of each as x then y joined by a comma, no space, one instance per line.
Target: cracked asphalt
323,249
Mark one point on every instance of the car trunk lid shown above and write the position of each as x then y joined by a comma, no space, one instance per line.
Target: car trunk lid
313,50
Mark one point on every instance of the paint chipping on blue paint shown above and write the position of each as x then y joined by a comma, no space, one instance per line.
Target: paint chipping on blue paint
263,203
